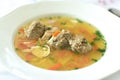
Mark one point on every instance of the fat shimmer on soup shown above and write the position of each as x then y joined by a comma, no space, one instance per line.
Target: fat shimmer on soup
59,43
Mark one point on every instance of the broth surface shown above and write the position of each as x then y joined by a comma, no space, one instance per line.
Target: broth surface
62,59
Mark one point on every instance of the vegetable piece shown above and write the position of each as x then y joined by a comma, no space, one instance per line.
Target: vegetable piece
22,46
28,56
56,33
55,67
52,59
49,28
79,20
16,49
26,50
60,54
76,68
26,44
21,30
98,33
95,60
30,43
101,50
40,51
63,23
93,36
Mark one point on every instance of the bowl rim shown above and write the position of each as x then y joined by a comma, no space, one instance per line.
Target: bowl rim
91,75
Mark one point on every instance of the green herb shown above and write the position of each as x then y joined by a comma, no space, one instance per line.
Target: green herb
102,54
76,68
101,50
98,33
19,33
105,43
63,47
27,61
92,43
50,17
58,16
79,21
97,39
76,52
52,59
99,36
69,48
90,24
48,28
38,43
16,49
95,60
63,23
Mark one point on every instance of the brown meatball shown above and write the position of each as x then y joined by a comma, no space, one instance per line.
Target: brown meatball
61,40
36,30
79,44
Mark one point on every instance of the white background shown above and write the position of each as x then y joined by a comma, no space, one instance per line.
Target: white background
7,6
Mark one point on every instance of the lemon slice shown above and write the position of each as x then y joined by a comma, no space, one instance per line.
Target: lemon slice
40,51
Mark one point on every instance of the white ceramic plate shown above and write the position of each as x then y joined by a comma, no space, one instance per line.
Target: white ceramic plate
107,23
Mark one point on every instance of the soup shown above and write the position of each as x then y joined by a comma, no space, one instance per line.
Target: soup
80,45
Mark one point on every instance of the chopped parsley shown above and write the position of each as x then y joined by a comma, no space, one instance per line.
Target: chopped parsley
76,68
52,59
27,61
49,28
63,23
92,43
79,21
50,17
95,60
76,52
16,49
19,33
101,50
98,33
58,17
38,43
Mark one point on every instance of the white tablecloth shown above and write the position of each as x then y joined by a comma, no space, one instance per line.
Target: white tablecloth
7,6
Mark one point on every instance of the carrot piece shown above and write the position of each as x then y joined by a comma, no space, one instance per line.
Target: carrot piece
25,45
61,54
30,43
56,33
21,30
28,56
86,59
22,46
55,67
95,47
92,36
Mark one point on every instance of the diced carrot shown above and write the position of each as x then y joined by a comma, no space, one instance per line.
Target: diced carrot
95,47
55,67
56,33
30,43
85,60
21,30
22,46
93,36
28,56
62,53
26,44
73,66
76,59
